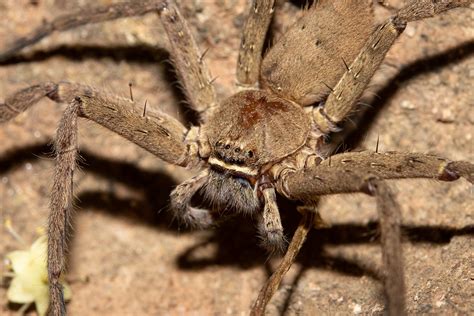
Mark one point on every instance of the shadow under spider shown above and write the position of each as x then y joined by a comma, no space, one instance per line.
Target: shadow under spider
138,54
154,186
237,246
366,117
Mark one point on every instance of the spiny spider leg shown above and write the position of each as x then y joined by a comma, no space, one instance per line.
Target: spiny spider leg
347,172
180,200
297,241
390,240
156,132
82,17
61,204
24,99
188,60
390,219
253,39
270,227
362,172
342,99
395,165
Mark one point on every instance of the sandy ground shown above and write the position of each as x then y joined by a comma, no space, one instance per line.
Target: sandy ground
127,258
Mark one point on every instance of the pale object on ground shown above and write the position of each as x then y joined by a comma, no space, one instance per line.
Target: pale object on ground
30,277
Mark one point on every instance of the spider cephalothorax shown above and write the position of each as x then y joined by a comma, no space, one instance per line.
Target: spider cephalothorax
250,132
260,141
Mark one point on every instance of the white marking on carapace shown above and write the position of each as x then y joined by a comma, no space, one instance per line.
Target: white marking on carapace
239,169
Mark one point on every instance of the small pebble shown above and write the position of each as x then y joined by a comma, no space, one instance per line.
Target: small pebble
357,309
410,30
446,116
440,303
405,104
471,73
435,80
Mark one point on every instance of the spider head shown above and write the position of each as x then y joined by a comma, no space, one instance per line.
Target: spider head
229,185
234,174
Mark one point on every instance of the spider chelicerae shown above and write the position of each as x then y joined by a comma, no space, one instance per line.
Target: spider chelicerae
257,142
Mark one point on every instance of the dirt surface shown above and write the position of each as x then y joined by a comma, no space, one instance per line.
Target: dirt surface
127,258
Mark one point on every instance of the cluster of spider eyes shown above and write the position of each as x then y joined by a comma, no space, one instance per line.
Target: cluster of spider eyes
248,154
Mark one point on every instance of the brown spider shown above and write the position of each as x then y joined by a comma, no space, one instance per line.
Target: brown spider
270,137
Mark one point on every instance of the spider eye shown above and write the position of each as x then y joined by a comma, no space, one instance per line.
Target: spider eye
237,150
218,143
250,154
227,146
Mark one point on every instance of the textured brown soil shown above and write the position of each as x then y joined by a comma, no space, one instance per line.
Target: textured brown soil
128,258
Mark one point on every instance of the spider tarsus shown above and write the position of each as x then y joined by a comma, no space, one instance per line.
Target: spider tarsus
56,307
186,214
24,99
53,91
273,241
197,218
